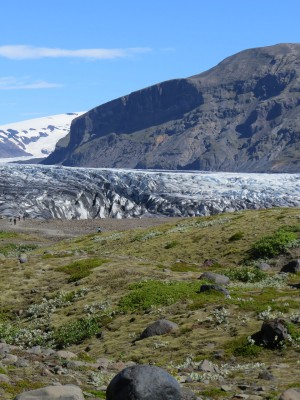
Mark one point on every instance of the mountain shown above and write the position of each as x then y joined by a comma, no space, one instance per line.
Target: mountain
35,137
242,115
48,192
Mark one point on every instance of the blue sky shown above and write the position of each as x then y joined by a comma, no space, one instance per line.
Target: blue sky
60,56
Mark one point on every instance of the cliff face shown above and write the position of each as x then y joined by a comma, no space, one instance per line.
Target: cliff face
242,115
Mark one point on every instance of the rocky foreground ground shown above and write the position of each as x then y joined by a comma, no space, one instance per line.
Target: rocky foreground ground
233,334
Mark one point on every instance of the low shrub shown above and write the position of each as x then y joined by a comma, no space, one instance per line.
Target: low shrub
273,245
246,274
75,332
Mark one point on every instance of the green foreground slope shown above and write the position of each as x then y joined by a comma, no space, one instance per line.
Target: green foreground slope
95,294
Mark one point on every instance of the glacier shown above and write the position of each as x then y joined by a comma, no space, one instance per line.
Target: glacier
47,192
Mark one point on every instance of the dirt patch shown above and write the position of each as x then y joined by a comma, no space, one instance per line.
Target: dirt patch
72,228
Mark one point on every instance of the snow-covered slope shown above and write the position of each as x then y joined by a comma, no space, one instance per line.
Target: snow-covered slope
35,137
81,193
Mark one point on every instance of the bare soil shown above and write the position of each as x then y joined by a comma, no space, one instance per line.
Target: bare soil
58,228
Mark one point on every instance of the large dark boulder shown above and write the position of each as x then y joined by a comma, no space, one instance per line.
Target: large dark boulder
143,382
160,327
272,334
292,267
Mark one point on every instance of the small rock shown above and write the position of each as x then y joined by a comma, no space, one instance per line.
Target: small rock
4,378
209,262
226,388
217,288
208,366
219,279
10,359
4,348
243,386
264,266
22,363
266,375
67,355
35,350
59,392
159,327
187,394
290,394
23,258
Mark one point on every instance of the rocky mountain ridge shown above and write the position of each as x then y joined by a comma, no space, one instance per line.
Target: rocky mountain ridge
242,115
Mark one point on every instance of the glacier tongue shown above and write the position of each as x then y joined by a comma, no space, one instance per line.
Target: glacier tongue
82,193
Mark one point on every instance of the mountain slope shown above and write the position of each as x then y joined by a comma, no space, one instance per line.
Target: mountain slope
242,115
36,137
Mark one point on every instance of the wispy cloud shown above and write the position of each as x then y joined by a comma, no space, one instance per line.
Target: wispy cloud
23,52
12,83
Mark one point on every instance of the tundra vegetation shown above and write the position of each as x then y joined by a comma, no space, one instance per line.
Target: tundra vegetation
94,295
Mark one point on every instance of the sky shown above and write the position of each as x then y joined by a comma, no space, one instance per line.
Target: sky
59,56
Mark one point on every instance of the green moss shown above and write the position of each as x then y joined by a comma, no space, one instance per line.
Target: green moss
98,393
145,295
236,236
81,268
214,393
240,347
172,244
8,235
184,267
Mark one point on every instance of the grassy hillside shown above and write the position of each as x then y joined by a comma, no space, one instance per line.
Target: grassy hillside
95,294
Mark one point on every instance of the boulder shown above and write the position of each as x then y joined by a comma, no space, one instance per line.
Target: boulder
208,366
23,258
272,334
292,267
67,355
159,327
219,279
143,382
61,392
187,394
290,394
217,288
264,266
209,262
